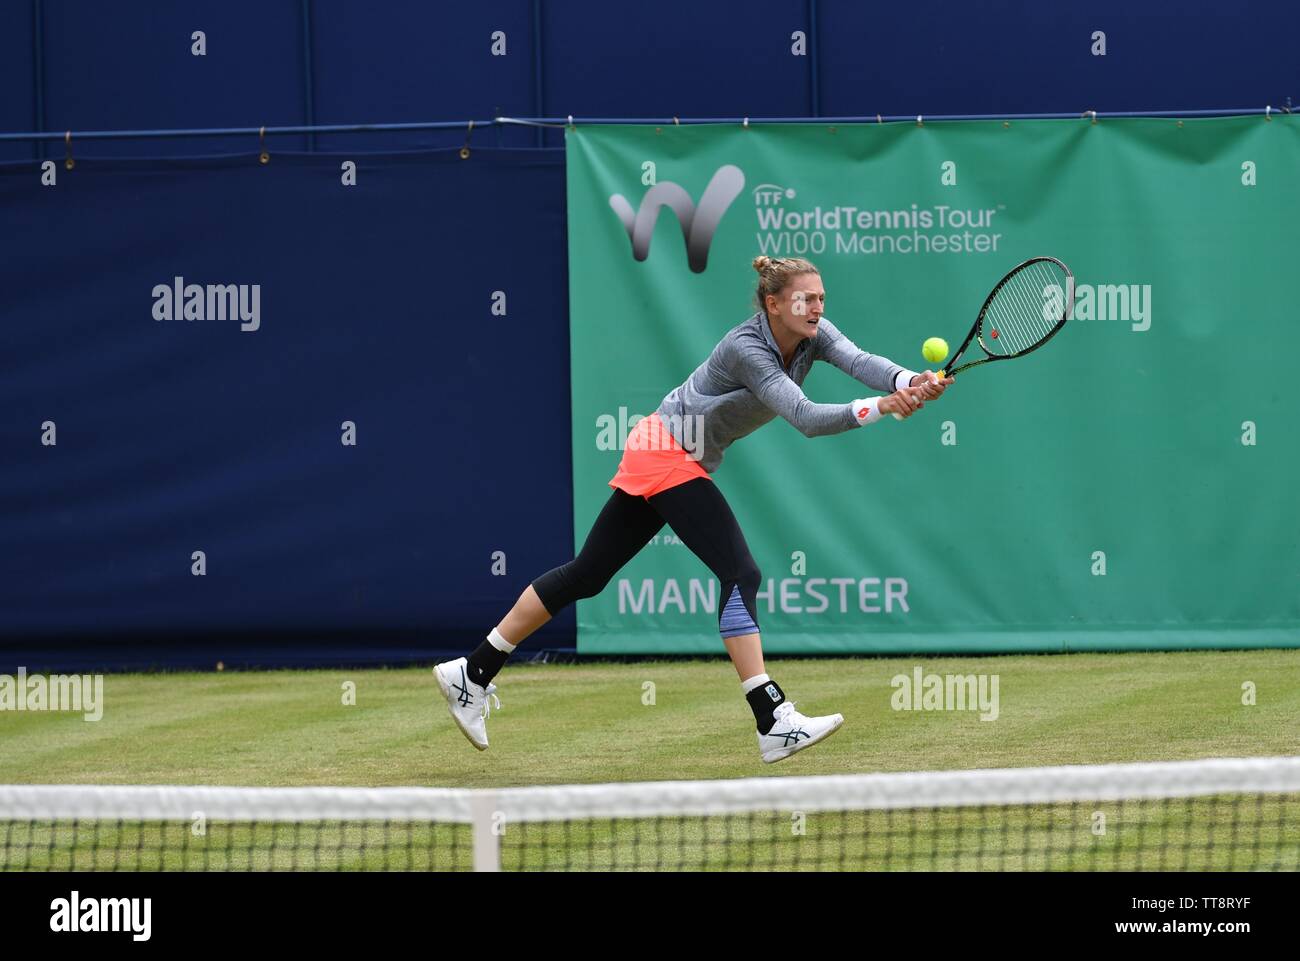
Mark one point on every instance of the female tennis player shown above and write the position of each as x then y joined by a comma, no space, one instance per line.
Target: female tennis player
752,375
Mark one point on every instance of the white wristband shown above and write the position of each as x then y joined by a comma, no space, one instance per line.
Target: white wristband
905,376
867,410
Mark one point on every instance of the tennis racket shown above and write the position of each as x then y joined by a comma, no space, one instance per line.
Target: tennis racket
1024,311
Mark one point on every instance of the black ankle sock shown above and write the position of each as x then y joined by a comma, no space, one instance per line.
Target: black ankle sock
484,663
763,700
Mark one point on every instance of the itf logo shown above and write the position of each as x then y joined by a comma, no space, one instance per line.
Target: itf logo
698,223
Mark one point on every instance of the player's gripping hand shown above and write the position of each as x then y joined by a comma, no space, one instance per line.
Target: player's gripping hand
931,384
903,403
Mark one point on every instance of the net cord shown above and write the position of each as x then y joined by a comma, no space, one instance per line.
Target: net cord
484,808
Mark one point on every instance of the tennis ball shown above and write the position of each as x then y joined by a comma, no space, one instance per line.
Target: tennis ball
935,349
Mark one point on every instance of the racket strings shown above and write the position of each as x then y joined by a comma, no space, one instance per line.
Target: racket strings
1025,310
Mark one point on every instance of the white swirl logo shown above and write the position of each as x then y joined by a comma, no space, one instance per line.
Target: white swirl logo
698,223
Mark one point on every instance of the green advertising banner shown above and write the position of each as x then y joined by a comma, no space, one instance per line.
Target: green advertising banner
1131,485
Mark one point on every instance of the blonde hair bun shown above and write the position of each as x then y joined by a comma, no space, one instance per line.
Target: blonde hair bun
775,273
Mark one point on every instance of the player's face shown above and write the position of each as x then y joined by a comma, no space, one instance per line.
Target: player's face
799,306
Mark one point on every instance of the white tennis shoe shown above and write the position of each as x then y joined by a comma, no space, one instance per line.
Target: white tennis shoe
794,732
467,702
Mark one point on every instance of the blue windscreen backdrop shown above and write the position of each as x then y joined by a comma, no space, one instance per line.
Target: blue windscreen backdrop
130,64
419,305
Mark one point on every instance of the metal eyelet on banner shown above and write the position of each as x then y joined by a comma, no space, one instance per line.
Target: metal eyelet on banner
464,151
68,162
264,157
919,121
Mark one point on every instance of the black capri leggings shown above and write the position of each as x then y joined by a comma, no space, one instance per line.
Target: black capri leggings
698,514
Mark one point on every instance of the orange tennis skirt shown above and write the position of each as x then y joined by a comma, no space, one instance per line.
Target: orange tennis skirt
653,461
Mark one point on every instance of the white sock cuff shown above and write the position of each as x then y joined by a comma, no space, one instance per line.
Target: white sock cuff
500,643
758,680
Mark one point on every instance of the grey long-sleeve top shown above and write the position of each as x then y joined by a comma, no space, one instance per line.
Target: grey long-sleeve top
743,384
